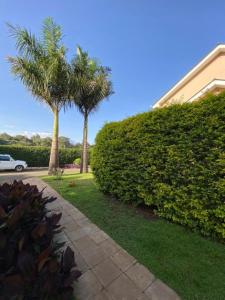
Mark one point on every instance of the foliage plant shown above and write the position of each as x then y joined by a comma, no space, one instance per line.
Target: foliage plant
172,159
32,266
38,156
41,66
77,161
89,85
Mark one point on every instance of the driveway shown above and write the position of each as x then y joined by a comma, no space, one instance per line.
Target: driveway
10,176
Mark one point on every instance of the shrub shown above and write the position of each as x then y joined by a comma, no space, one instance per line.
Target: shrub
77,161
171,158
37,156
31,266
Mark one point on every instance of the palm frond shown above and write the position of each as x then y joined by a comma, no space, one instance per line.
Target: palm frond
89,82
26,42
41,64
51,35
32,76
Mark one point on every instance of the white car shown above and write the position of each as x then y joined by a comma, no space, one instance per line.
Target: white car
8,163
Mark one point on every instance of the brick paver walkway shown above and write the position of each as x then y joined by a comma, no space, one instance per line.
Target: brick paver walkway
108,271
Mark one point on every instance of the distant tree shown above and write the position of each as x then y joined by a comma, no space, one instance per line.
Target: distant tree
46,142
36,139
22,139
42,68
64,142
78,145
5,137
89,85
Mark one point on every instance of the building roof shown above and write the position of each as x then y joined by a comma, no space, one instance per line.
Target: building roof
205,61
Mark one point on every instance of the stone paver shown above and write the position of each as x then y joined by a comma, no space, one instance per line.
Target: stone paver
103,296
140,276
94,256
71,227
76,234
109,247
108,271
99,236
85,245
82,265
158,291
143,297
88,286
123,260
66,220
124,289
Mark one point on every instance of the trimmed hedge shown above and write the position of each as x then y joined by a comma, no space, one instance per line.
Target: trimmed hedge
37,156
172,159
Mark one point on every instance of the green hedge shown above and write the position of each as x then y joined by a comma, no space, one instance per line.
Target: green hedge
172,159
37,156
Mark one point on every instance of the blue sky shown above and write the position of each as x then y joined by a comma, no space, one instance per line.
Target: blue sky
149,45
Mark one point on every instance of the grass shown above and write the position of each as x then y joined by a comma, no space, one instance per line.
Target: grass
187,262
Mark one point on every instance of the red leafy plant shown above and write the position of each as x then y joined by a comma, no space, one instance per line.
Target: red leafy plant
32,264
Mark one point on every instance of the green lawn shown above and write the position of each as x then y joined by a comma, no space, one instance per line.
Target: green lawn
188,263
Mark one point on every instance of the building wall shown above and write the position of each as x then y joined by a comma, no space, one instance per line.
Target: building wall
213,70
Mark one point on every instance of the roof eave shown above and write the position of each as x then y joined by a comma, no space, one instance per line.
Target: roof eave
214,53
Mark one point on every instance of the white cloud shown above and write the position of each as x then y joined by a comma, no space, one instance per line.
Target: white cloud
42,134
27,133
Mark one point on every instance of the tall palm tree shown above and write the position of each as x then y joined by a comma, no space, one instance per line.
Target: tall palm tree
89,85
42,68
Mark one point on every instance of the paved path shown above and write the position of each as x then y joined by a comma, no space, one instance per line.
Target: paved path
9,176
108,271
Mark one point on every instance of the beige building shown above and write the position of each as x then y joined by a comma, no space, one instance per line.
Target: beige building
207,76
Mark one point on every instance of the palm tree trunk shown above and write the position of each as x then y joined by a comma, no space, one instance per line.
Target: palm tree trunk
54,156
84,160
81,161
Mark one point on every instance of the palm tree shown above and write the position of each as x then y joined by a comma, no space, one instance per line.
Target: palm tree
42,68
89,85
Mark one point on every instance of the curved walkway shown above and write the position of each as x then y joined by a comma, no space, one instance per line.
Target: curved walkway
108,271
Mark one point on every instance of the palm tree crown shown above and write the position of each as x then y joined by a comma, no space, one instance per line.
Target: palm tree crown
42,67
41,64
89,85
